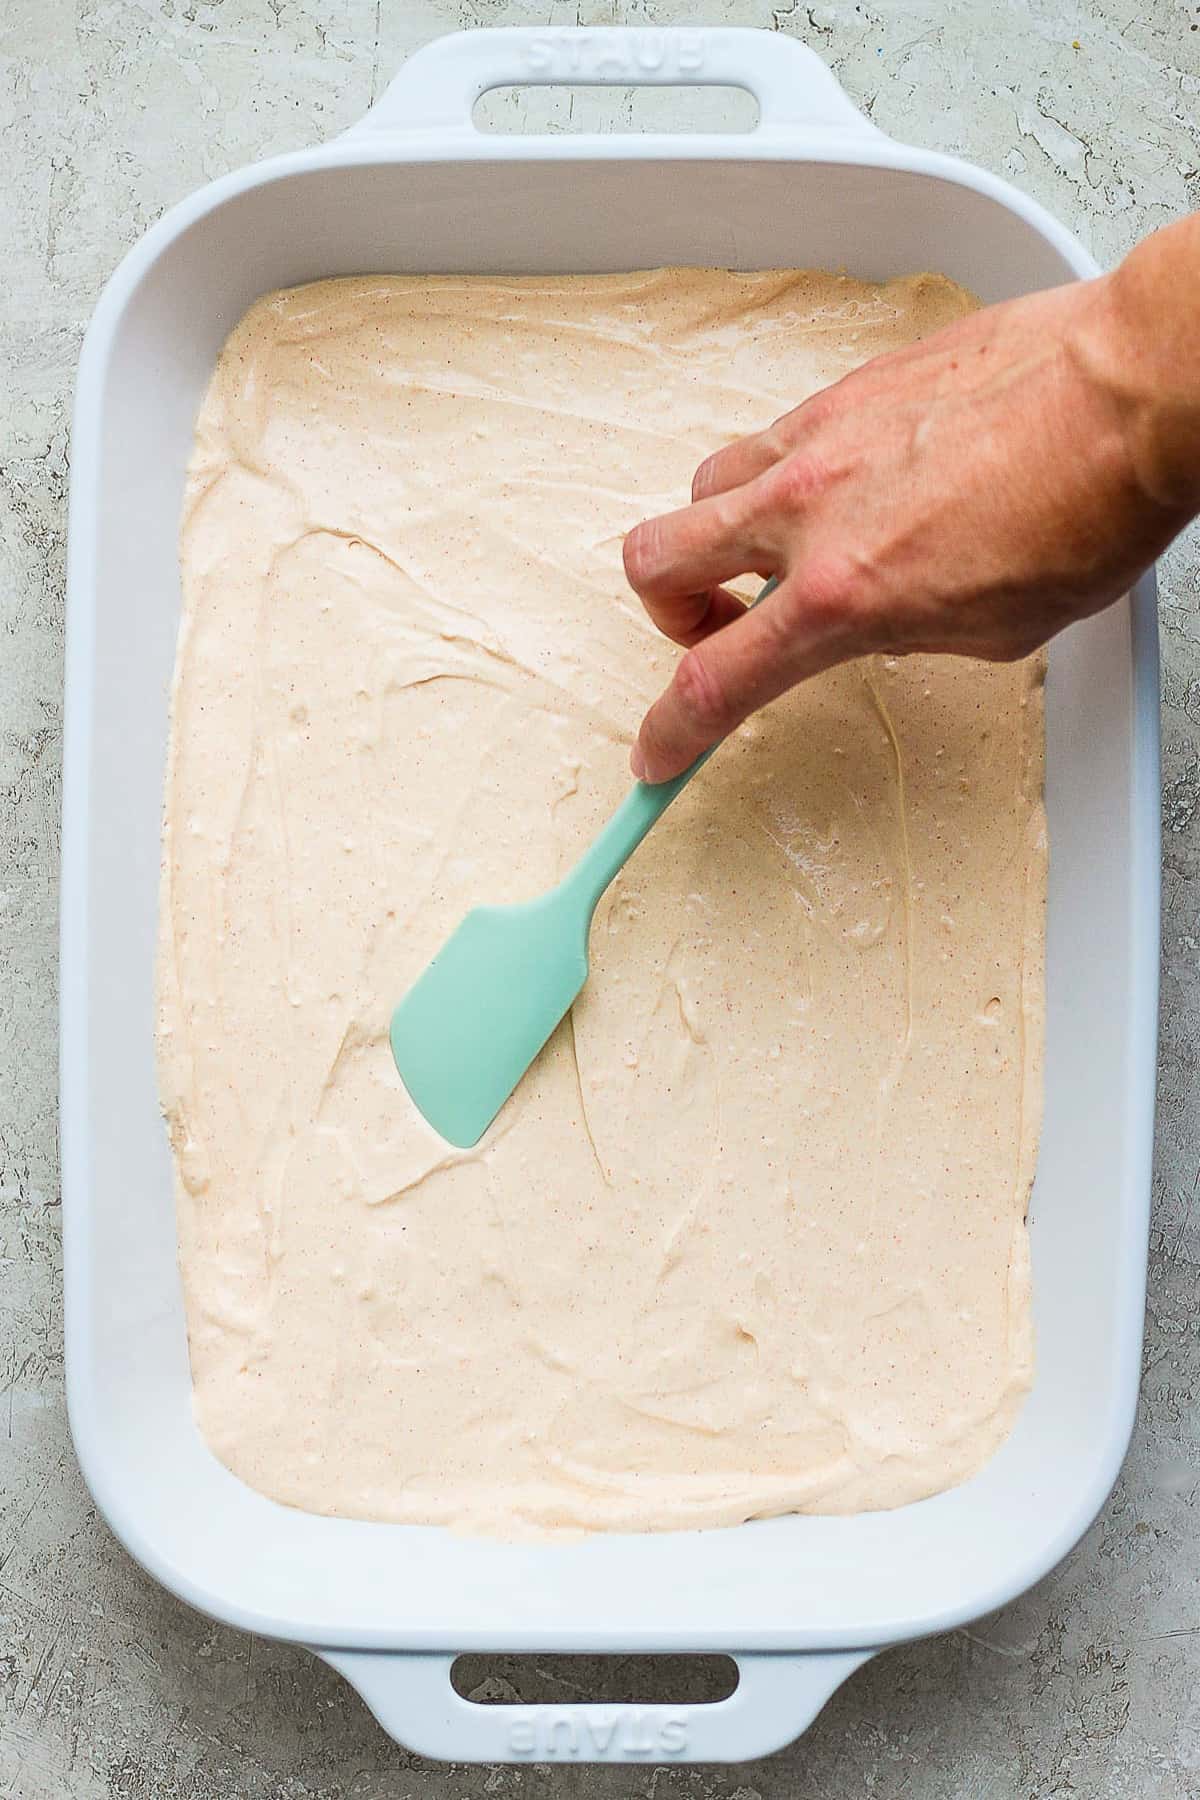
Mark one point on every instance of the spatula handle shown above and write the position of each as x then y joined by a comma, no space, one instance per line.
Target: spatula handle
641,808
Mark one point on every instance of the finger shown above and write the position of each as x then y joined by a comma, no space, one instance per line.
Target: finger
749,457
735,465
689,618
672,560
732,673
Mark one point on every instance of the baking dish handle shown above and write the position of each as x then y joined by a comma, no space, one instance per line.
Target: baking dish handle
776,1698
436,89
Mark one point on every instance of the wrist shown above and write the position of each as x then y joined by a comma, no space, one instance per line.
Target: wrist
1137,345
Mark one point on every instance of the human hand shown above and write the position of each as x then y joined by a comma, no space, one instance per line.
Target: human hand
972,494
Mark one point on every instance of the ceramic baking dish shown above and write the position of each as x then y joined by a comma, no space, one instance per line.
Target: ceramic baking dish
800,1601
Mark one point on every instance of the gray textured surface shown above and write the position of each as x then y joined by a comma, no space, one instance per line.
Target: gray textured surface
112,109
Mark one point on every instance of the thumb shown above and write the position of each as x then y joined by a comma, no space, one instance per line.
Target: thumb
729,675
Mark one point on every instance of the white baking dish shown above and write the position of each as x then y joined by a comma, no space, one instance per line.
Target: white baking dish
800,1600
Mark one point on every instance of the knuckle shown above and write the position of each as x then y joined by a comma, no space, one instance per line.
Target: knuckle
729,513
700,693
796,481
780,619
819,408
783,433
828,595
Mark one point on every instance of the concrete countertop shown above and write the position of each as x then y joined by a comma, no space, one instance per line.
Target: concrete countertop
1089,1685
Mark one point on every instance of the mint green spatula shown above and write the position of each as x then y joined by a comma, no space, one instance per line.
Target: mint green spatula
472,1023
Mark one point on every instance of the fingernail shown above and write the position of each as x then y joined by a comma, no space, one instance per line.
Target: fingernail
637,763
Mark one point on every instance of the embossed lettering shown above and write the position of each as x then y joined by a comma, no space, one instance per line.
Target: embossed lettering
629,53
522,1737
560,1734
602,1733
613,55
649,52
539,56
672,1736
562,1738
639,1739
691,53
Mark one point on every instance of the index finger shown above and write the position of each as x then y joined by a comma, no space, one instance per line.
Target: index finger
731,674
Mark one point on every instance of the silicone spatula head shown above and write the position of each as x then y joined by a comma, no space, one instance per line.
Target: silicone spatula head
472,1023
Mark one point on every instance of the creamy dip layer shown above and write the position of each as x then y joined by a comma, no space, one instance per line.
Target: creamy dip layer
750,1238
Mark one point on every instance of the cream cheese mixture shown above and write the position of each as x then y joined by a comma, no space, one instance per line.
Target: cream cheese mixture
750,1238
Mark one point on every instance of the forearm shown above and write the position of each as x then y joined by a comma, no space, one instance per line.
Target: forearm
1144,347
